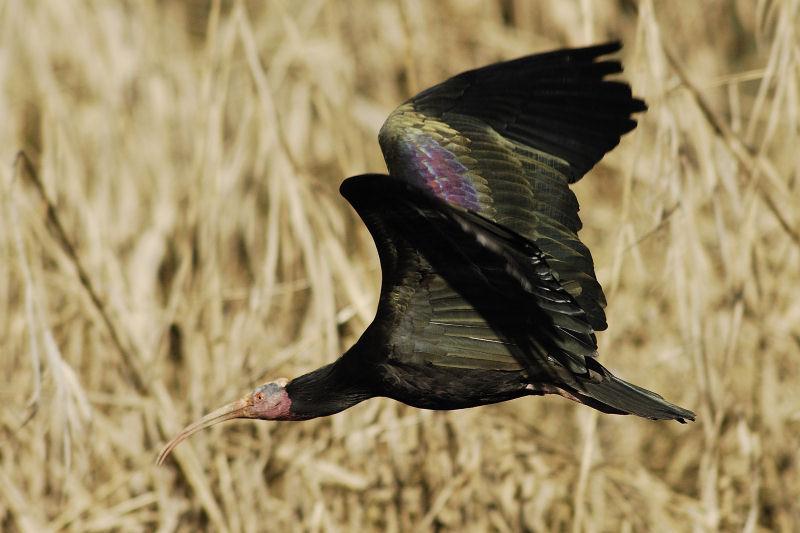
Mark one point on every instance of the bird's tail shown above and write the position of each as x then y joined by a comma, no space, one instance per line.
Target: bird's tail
610,394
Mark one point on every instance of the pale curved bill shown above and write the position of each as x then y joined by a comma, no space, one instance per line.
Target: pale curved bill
233,410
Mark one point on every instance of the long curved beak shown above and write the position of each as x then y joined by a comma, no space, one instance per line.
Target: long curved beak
237,409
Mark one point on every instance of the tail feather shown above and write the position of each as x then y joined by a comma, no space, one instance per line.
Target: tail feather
622,397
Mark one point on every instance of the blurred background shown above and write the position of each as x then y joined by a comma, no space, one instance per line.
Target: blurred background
180,239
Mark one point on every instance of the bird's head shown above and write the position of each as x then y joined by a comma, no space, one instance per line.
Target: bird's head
267,402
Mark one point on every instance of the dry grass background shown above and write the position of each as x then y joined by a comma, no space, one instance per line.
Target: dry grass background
191,153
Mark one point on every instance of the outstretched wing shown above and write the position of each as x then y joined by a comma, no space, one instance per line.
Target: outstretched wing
506,141
461,290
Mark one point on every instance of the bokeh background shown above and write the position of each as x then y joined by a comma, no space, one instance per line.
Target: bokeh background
180,239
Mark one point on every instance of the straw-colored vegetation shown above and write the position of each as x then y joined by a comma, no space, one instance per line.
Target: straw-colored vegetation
179,238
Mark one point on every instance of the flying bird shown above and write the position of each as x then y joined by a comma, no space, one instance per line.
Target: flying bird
487,292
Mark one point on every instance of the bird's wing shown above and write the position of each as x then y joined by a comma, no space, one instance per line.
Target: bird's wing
419,313
442,328
446,269
506,140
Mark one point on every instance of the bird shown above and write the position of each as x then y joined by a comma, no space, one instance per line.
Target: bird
487,293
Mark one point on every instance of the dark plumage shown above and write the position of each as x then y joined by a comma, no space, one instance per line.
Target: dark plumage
487,292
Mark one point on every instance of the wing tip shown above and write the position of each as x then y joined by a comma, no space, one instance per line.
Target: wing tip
601,49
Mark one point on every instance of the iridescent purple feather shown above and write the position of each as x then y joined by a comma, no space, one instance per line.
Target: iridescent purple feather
434,167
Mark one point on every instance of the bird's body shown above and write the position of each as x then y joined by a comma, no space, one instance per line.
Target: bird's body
487,292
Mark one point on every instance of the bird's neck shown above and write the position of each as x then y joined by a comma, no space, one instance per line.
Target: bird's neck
327,390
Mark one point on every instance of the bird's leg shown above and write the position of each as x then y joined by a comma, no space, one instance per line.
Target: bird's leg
546,388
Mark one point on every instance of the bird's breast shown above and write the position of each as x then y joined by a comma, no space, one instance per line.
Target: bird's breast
432,387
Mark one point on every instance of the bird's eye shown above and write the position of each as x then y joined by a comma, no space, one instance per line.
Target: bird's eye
259,396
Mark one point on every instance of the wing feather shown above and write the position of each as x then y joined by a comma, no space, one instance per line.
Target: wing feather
464,291
506,141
